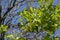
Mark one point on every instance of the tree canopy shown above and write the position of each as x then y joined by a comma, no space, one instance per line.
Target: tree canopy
45,19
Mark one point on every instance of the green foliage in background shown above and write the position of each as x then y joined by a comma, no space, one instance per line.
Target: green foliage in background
47,17
3,28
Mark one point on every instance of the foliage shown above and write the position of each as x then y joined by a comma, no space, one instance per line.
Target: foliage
3,28
14,38
44,18
47,17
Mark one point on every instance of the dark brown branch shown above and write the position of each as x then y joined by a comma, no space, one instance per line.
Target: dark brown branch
0,14
11,9
8,10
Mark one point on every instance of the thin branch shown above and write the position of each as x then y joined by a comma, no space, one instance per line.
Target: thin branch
0,14
11,9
